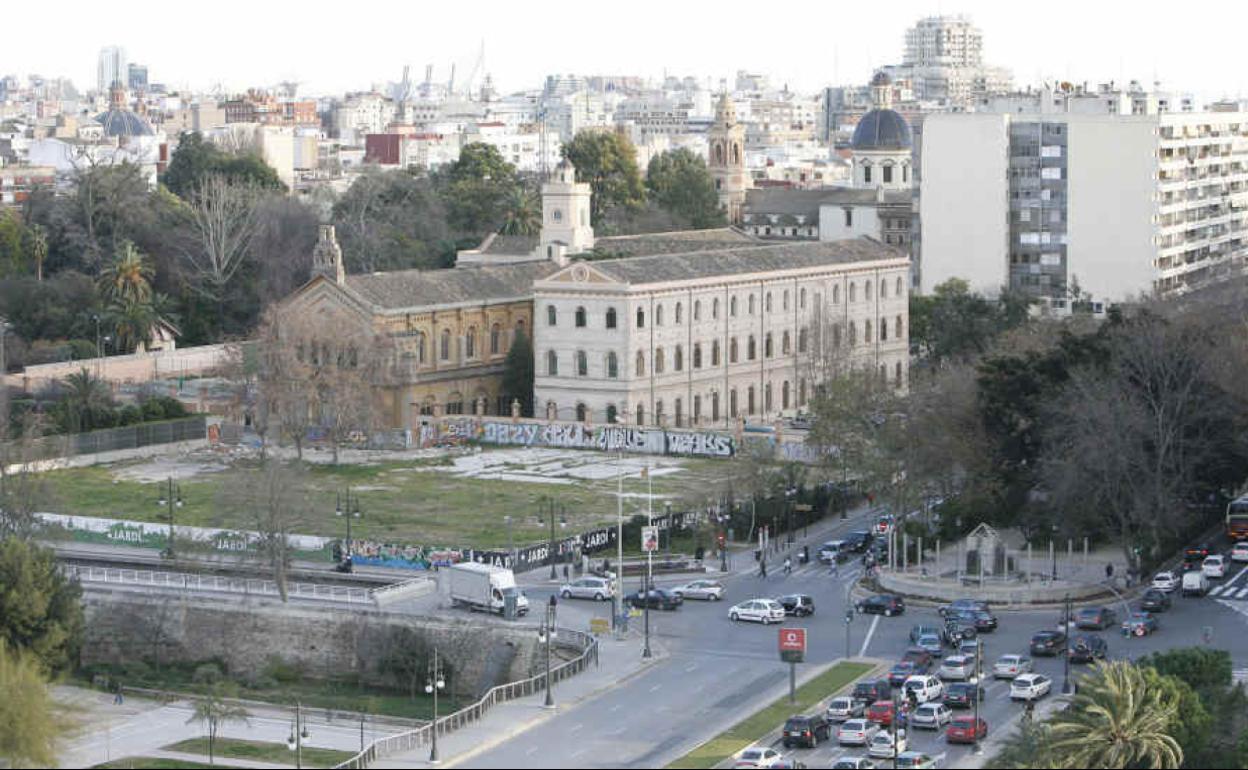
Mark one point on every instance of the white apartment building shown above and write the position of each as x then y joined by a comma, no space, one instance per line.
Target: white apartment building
362,114
1115,205
1106,99
943,63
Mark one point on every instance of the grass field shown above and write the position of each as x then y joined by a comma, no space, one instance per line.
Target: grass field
769,718
144,763
418,501
233,748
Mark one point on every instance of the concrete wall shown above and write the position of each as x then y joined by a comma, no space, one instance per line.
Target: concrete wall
136,367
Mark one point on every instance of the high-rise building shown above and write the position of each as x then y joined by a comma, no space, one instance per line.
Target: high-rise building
136,77
944,63
111,68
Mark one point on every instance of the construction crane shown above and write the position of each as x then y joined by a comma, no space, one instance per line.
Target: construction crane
477,66
404,93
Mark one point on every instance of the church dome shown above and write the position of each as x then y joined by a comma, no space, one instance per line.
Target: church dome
123,123
881,129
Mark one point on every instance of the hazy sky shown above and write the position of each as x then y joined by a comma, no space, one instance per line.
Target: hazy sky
337,46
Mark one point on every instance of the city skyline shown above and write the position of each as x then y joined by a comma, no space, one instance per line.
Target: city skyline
519,50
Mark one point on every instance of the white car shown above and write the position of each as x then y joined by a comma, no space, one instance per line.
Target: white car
956,668
1239,552
763,611
829,550
917,760
1166,581
1030,687
710,590
757,756
1214,566
1010,666
840,709
882,744
924,687
932,716
856,732
596,588
853,763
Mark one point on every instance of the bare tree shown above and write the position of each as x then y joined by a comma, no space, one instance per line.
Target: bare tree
23,489
224,217
275,500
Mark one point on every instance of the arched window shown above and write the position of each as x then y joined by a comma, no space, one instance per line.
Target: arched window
658,361
641,414
552,363
767,349
751,304
767,303
897,377
784,395
446,345
767,398
582,364
866,173
897,328
853,334
697,310
470,343
801,392
557,215
715,308
697,355
581,413
732,350
658,412
519,329
580,318
714,352
420,347
552,410
732,403
888,173
751,351
679,410
679,312
658,316
866,290
883,330
836,336
732,306
900,288
610,318
611,414
697,410
905,172
786,344
552,315
613,365
801,299
749,401
641,318
784,302
866,332
640,367
883,288
853,292
715,406
496,334
678,360
801,340
836,294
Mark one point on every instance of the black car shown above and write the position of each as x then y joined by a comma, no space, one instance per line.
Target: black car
658,599
858,540
806,731
1088,649
957,628
962,695
1196,554
1098,618
887,605
1155,601
798,605
962,605
1048,643
872,690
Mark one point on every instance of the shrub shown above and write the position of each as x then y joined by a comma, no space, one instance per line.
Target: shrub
129,415
153,409
283,671
207,673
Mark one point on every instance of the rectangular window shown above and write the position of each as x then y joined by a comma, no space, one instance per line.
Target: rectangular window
849,217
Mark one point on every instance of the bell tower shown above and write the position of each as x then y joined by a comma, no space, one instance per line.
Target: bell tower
327,256
726,158
566,214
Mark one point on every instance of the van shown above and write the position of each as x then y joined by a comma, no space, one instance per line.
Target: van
1195,583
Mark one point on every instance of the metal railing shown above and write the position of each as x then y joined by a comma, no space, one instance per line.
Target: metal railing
183,581
422,736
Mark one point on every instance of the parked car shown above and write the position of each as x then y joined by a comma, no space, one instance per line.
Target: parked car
596,588
931,716
1155,601
899,673
932,644
856,732
921,688
1195,583
887,605
960,605
962,695
1087,648
884,525
1214,566
1030,687
966,729
1048,642
1139,624
806,731
797,605
956,668
657,598
1099,618
842,708
1010,666
916,632
872,690
916,760
853,763
765,611
1239,551
758,756
707,590
1166,581
882,712
882,744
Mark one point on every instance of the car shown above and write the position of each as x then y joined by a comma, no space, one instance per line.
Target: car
966,729
871,690
1099,618
1214,566
1196,554
856,732
797,605
959,628
956,668
916,760
858,540
758,756
1048,642
882,744
962,695
1239,551
884,525
981,620
1087,648
1155,601
931,716
656,598
833,550
596,588
1010,666
960,605
902,671
853,763
921,688
1195,583
843,708
919,631
707,590
920,657
1139,624
881,712
887,605
1166,581
970,647
806,731
789,762
1030,687
932,643
765,611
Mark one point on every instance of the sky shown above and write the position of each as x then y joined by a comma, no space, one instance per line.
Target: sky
331,47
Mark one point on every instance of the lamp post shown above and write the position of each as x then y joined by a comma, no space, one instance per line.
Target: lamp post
1066,656
671,530
298,734
645,596
435,682
546,634
344,509
722,517
789,494
563,522
511,544
174,500
979,651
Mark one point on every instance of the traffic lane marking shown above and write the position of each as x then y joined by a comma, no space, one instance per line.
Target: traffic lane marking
875,622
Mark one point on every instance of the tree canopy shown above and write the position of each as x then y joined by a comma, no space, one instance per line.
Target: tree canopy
679,182
478,189
40,610
28,727
518,374
607,161
197,158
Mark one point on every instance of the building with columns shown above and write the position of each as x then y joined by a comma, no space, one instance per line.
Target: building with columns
726,158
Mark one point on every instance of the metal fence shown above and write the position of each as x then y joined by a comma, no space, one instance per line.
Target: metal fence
422,736
127,437
182,581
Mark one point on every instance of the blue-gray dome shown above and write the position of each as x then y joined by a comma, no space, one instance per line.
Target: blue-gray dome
123,123
881,129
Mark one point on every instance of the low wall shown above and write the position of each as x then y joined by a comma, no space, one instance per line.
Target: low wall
914,586
135,367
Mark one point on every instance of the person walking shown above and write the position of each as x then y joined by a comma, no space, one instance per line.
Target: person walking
762,569
834,568
788,566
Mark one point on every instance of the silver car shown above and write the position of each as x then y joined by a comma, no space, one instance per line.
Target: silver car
1010,666
596,588
708,590
956,668
841,709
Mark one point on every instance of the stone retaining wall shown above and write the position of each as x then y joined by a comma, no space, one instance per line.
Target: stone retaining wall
1018,594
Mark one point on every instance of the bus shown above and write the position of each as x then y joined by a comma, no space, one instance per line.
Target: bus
1237,519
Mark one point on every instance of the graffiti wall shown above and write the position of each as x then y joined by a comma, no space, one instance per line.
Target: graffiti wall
609,438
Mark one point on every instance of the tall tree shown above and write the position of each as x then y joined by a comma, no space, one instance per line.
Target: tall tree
196,159
12,240
477,188
275,500
127,278
679,182
391,220
28,720
608,162
40,609
214,711
518,374
224,217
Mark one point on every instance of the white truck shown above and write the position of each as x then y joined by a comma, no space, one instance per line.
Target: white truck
485,587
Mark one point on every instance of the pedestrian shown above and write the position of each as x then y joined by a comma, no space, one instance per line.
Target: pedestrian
118,698
834,568
1109,571
788,566
565,571
762,568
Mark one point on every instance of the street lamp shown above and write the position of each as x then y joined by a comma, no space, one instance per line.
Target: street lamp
298,734
789,494
546,634
435,683
174,501
1066,635
979,651
722,517
344,509
511,544
563,522
671,530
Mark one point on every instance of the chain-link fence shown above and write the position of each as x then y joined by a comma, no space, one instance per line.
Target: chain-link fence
126,437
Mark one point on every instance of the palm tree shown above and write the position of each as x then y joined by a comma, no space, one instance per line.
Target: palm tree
128,278
1116,722
38,248
214,710
523,215
84,395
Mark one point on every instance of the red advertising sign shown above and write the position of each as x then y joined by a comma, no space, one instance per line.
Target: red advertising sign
793,640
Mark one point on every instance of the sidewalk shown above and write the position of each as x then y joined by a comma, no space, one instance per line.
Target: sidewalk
617,662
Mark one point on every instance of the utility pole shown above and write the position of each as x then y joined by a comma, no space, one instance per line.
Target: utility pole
434,683
174,501
617,600
1066,657
645,602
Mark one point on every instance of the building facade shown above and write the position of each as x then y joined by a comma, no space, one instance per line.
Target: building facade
726,161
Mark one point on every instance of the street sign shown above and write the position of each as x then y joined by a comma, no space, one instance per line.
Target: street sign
792,645
649,539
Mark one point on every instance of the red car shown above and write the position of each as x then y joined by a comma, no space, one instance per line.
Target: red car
964,729
881,712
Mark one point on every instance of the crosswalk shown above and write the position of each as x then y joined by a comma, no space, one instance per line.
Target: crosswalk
1235,588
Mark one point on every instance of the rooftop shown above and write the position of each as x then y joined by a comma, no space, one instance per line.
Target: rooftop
424,288
680,241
